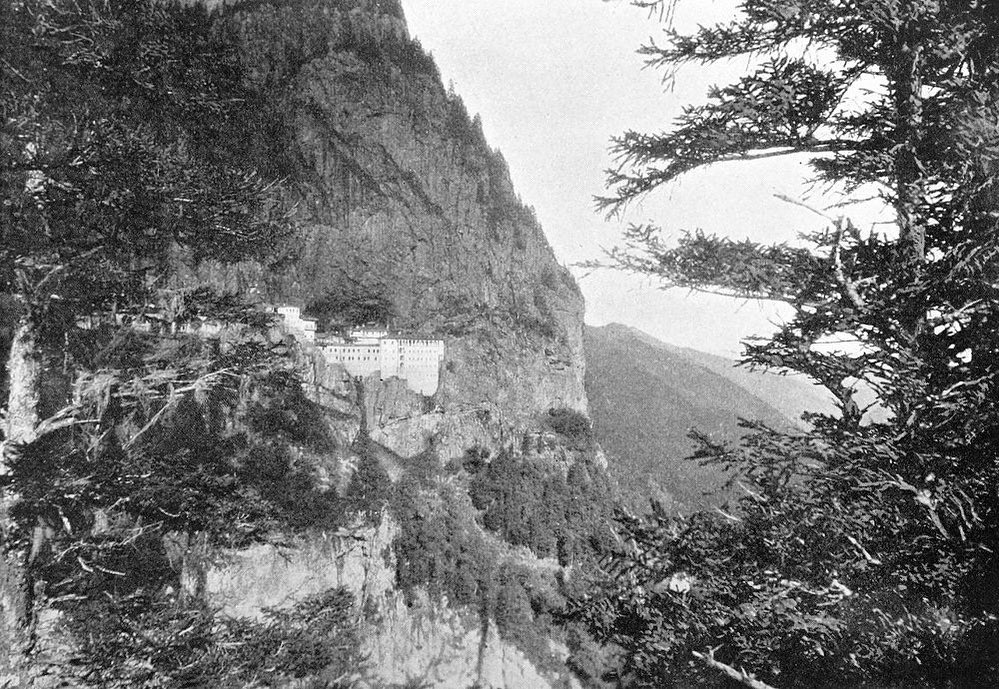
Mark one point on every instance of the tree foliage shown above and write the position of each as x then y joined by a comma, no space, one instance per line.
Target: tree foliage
859,551
475,536
145,642
144,426
114,111
556,512
170,449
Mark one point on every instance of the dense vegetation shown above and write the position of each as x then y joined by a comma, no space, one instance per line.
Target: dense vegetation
475,532
139,642
861,551
555,512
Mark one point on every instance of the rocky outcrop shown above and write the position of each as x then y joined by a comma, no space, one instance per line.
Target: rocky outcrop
439,647
420,640
268,576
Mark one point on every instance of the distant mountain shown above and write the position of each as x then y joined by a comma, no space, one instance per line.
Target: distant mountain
790,395
646,395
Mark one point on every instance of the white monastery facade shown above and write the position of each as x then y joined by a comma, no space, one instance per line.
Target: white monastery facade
366,351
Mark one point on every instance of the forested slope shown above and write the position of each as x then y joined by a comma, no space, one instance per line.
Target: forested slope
791,395
645,397
407,217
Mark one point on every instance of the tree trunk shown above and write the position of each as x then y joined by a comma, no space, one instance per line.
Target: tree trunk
908,88
25,370
906,81
16,635
740,676
194,567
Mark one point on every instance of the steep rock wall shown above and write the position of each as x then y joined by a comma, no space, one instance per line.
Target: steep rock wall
402,205
402,202
426,641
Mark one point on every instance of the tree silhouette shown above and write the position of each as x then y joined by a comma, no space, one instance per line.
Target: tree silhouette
859,550
113,169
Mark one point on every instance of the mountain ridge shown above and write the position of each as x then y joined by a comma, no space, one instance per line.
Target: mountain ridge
791,395
645,396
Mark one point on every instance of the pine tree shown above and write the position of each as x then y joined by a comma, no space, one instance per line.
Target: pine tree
860,551
112,170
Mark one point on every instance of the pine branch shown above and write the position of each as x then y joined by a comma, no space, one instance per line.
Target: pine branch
633,186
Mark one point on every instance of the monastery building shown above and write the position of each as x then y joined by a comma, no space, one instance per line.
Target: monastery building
365,351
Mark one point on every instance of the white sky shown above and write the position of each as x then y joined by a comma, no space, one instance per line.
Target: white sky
554,80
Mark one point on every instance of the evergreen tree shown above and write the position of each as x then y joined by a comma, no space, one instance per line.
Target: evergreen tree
113,169
860,551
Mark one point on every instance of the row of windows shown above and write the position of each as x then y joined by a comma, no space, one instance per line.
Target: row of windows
430,366
412,355
371,350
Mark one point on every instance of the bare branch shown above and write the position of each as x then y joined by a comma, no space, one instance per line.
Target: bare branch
863,551
15,72
796,202
848,286
740,676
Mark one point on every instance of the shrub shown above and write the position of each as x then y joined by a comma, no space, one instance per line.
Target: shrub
570,423
370,487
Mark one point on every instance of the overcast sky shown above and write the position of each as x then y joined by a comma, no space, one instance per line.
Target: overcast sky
554,80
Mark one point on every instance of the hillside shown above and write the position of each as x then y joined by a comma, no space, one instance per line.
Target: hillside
791,396
448,525
644,398
408,217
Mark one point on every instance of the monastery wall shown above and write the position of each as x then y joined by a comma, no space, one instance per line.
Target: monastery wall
359,359
418,362
303,328
415,361
366,351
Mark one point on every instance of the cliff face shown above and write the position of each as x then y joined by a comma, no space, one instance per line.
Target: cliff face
406,211
405,215
407,642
